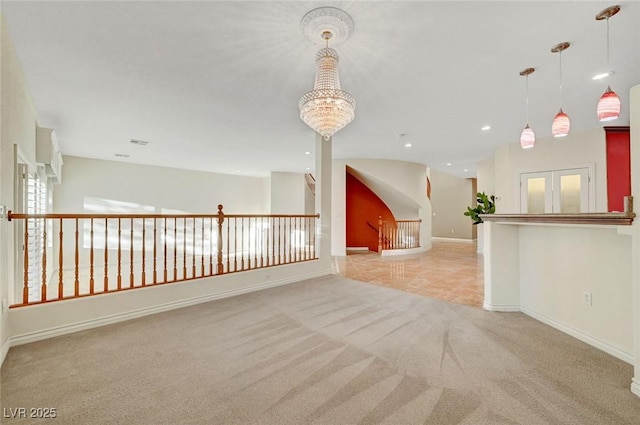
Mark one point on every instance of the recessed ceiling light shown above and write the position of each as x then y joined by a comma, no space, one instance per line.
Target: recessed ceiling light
448,164
307,153
486,128
407,145
601,75
308,168
466,169
237,171
122,155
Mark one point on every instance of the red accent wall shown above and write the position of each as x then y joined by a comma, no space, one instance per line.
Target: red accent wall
618,167
363,206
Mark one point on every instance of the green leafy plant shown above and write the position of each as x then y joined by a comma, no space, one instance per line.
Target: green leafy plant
486,205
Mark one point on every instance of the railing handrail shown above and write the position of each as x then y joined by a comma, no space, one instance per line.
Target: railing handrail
11,215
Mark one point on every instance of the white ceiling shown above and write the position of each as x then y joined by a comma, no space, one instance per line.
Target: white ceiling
214,85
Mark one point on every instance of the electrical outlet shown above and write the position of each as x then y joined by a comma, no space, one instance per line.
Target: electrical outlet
586,296
453,231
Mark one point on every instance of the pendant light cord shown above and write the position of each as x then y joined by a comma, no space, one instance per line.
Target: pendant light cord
527,98
608,62
561,94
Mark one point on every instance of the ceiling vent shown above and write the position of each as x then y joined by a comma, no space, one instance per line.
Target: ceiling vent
122,155
139,142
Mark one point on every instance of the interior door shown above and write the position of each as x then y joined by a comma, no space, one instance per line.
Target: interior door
536,191
571,191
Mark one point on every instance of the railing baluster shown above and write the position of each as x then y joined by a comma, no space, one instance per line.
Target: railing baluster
184,248
265,251
193,253
91,281
43,289
155,251
60,263
119,279
175,249
235,244
131,253
255,242
106,255
202,248
76,282
165,251
242,241
144,249
211,246
25,250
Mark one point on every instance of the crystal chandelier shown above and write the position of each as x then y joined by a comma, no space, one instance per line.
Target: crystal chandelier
327,108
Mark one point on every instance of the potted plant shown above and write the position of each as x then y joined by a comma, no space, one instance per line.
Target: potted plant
486,204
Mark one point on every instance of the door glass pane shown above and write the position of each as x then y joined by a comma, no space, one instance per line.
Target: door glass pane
535,195
570,193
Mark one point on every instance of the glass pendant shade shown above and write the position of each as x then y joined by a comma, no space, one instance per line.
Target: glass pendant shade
327,108
527,138
561,124
608,106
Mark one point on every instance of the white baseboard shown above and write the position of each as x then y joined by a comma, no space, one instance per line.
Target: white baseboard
357,248
5,350
501,308
437,238
635,386
121,317
595,342
406,251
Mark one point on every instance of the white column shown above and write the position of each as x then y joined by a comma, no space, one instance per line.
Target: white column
635,232
501,267
323,199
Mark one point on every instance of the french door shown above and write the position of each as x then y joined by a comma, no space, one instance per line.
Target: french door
559,191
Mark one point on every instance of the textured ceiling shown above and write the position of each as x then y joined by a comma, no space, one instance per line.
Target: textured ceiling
215,85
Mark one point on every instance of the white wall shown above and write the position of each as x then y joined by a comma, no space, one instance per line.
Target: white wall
485,175
18,122
544,271
287,193
158,187
450,197
577,149
554,277
406,178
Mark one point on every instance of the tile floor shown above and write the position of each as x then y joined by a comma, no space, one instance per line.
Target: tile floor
450,271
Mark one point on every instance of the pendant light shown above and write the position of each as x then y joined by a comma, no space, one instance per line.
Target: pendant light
609,103
561,123
527,137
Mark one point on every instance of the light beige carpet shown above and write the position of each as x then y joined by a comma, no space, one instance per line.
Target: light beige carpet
323,351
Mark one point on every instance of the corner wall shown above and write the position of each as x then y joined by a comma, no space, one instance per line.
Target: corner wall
18,121
450,197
